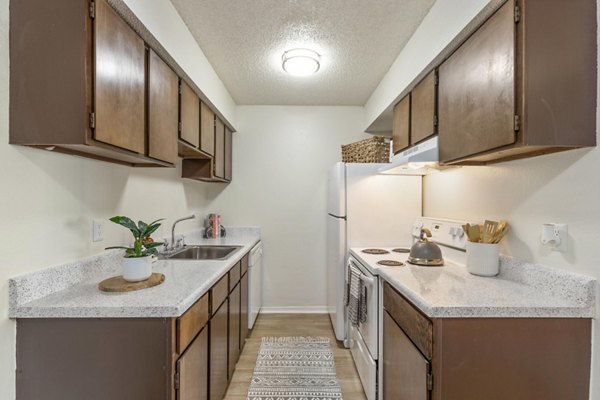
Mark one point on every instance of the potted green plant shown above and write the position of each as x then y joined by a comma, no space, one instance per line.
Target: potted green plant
137,261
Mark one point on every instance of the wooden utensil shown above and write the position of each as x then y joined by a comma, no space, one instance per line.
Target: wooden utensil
465,229
489,229
501,230
473,232
476,233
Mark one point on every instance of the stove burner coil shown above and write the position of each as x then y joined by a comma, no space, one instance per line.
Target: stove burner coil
375,251
390,263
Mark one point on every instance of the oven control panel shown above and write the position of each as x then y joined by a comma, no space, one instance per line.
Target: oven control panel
444,231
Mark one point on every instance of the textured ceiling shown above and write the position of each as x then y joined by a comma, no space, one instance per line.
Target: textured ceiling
357,39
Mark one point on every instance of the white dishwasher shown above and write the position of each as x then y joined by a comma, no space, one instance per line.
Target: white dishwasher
254,283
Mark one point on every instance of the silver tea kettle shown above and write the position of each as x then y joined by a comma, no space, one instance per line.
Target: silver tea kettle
424,252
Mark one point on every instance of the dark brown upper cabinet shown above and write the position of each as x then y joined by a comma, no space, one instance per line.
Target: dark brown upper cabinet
423,116
78,81
163,109
207,131
190,126
518,87
190,116
401,127
219,158
216,168
119,81
228,153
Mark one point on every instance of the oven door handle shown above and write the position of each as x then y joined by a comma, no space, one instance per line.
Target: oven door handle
367,280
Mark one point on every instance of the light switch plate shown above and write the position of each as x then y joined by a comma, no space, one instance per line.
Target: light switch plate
97,230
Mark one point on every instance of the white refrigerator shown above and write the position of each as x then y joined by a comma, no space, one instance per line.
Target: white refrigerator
365,209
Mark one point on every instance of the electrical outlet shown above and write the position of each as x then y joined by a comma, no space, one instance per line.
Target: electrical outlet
555,236
97,230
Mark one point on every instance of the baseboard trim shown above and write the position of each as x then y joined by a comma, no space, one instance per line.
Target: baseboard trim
294,310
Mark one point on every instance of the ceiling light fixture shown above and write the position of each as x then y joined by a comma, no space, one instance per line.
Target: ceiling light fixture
301,62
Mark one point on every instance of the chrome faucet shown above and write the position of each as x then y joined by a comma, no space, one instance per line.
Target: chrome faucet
173,245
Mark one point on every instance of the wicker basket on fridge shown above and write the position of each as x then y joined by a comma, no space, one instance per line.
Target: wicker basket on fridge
376,149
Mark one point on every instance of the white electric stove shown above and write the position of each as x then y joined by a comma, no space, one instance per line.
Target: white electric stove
365,341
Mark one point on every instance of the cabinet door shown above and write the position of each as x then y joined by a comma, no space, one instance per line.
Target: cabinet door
192,322
401,127
193,370
228,153
120,60
405,370
477,90
190,116
219,157
423,109
234,329
163,109
244,290
207,139
218,352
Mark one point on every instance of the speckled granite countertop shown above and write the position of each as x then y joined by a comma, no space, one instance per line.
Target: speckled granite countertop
71,290
521,290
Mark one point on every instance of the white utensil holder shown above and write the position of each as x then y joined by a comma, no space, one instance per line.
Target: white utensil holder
483,259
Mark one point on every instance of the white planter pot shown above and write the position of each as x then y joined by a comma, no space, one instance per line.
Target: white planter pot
136,269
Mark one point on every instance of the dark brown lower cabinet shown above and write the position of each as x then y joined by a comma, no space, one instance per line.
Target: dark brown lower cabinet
405,370
94,358
482,358
190,357
218,352
192,369
234,328
243,310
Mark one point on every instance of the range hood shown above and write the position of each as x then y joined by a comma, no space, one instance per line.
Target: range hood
416,160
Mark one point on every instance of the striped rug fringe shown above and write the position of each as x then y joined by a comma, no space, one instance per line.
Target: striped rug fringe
295,339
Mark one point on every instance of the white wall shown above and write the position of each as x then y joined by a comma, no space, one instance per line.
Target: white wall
443,22
554,188
280,163
48,201
161,18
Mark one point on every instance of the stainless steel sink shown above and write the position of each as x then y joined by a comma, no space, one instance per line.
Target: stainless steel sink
203,252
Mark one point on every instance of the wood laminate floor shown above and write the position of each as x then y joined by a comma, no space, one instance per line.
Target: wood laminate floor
294,325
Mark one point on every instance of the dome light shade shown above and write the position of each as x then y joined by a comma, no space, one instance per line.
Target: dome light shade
301,62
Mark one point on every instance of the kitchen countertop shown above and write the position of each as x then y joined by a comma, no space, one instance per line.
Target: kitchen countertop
521,290
71,290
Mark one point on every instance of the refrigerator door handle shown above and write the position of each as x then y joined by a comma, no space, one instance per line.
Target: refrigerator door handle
336,216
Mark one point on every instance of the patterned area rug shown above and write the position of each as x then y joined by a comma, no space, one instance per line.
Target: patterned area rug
294,368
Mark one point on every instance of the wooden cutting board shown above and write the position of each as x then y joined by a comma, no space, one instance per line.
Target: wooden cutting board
118,284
